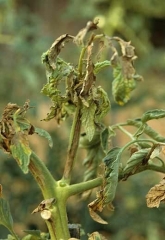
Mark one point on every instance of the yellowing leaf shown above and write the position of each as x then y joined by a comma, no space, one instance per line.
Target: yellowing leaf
123,72
20,150
122,87
95,236
156,195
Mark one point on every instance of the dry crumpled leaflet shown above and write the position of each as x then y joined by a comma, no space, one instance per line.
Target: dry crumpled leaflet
156,195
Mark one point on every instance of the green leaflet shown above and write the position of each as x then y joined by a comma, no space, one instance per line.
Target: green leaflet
62,74
92,161
88,119
5,216
153,114
147,130
20,150
135,160
104,103
104,139
153,134
45,134
94,156
99,66
112,161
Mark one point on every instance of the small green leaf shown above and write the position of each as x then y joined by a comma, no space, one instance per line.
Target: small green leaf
147,130
88,119
103,103
135,160
21,151
112,163
5,216
45,134
153,134
94,155
111,157
104,139
153,114
99,66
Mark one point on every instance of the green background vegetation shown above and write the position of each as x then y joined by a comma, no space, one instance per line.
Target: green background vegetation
27,28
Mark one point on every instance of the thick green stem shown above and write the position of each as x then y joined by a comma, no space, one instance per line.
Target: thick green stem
57,225
84,186
42,176
59,222
73,145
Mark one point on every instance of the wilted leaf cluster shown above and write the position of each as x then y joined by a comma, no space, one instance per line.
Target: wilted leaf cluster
14,131
144,155
70,86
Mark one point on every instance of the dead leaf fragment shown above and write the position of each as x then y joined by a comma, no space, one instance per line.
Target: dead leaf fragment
156,195
96,236
56,48
79,39
44,205
97,205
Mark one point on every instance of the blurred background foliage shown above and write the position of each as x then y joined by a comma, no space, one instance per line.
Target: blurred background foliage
27,29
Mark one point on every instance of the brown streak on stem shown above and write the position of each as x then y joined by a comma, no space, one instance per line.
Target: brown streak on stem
35,172
73,145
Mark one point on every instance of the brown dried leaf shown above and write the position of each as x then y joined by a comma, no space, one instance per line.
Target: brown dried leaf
13,120
126,48
44,205
89,77
79,39
156,195
127,68
56,48
97,205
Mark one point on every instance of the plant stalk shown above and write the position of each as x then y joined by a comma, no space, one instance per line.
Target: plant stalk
57,225
84,186
73,145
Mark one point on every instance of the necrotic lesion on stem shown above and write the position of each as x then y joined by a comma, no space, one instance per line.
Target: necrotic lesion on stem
42,176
